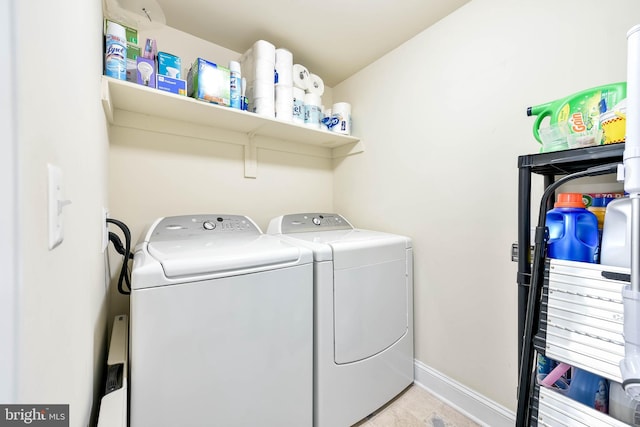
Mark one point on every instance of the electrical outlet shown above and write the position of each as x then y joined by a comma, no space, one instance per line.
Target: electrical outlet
105,229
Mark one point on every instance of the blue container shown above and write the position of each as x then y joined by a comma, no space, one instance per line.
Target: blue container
589,389
573,230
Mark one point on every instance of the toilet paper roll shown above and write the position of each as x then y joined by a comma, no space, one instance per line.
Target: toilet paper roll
284,93
312,115
263,106
326,119
262,89
262,49
284,57
284,103
298,105
284,67
263,70
247,67
341,118
315,85
300,76
284,111
312,110
312,99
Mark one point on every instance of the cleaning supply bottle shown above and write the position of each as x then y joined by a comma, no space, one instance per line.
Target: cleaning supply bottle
235,88
616,234
590,389
115,61
582,109
599,209
573,230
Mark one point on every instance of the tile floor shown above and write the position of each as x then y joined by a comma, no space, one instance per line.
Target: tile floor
416,407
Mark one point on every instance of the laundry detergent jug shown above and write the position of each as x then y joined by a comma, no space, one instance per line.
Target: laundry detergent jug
573,230
581,110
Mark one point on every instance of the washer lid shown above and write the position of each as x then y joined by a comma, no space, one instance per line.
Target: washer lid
213,244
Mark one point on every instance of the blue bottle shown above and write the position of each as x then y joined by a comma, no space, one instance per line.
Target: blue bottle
573,230
589,389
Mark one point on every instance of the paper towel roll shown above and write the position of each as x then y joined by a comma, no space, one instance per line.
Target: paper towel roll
300,76
298,105
315,85
262,49
341,113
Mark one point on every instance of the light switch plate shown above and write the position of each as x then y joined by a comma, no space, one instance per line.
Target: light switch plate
56,234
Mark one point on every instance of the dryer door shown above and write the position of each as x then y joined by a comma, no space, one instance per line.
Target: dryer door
370,297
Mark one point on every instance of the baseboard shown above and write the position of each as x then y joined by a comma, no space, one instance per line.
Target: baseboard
474,405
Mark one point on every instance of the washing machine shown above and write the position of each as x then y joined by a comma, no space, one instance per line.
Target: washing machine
221,326
363,321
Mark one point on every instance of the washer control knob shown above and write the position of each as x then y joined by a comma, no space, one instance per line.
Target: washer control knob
316,220
208,225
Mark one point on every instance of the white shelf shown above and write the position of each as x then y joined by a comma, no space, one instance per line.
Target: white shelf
131,105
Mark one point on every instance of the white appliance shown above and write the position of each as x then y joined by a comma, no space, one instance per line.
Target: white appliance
363,302
221,326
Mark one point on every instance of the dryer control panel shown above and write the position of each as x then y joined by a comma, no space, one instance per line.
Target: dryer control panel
191,226
305,222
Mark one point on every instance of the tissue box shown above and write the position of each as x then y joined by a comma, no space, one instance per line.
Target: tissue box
169,65
172,85
208,82
146,71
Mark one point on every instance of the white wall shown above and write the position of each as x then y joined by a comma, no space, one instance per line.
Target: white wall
443,121
8,211
62,293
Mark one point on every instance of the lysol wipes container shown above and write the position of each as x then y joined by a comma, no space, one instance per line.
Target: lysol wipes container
115,61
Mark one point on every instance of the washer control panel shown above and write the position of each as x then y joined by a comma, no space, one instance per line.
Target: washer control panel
191,226
305,222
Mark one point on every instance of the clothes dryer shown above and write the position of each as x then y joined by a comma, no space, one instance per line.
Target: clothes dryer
221,326
363,322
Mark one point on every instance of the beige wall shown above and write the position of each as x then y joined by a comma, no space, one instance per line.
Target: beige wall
61,301
153,174
443,121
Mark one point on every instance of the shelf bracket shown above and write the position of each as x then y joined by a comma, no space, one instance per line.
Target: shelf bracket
106,101
251,157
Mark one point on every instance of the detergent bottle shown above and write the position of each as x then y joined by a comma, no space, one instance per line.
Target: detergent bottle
573,230
582,109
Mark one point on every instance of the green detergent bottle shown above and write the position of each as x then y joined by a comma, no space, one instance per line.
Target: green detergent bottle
582,109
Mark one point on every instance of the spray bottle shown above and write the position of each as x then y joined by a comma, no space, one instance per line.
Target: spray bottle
582,109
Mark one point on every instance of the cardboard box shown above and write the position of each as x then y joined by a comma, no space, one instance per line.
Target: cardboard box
132,62
131,34
146,72
168,84
209,82
169,65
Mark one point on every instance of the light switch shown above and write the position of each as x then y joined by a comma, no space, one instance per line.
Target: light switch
56,203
